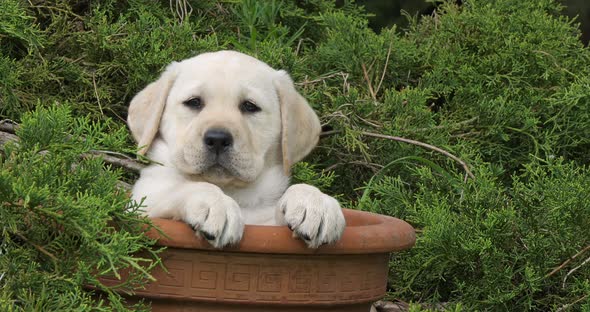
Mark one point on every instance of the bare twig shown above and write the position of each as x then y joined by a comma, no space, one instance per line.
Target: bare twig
124,185
384,68
574,270
50,8
568,261
455,125
339,113
370,123
298,47
322,78
421,144
409,141
373,95
126,163
96,94
181,8
121,155
555,62
567,306
371,65
329,133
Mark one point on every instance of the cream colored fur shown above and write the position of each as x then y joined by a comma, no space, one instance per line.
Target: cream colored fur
247,184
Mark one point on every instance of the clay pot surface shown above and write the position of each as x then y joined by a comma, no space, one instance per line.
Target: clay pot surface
270,270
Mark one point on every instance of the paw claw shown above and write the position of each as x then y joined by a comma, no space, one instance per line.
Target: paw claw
208,235
312,215
216,218
305,237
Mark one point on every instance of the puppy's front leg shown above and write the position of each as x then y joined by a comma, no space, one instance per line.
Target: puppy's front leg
204,206
312,215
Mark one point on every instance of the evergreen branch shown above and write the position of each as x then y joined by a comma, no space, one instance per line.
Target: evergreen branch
133,262
118,161
373,166
368,187
40,248
53,8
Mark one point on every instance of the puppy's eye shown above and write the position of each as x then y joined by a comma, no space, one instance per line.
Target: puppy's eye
249,107
194,103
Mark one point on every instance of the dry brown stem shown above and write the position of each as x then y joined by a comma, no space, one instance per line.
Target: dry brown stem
40,248
410,141
369,84
574,270
567,306
384,68
561,266
422,144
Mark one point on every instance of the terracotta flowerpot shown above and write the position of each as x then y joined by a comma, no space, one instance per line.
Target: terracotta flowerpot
272,271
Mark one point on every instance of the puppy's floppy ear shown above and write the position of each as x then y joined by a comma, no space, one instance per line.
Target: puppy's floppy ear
146,108
300,126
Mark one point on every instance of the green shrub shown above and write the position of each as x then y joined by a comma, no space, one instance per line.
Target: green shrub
63,221
503,85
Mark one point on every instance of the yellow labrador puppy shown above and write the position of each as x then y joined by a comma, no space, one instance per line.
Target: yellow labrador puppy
225,129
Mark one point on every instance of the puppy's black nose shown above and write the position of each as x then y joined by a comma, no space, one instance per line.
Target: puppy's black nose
218,140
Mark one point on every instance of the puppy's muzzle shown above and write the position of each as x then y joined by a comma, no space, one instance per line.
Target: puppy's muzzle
218,141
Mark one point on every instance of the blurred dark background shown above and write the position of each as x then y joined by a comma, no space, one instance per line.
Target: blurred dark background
389,12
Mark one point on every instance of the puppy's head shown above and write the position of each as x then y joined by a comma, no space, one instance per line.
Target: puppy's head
225,117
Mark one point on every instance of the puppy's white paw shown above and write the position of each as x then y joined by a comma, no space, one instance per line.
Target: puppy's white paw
215,216
312,215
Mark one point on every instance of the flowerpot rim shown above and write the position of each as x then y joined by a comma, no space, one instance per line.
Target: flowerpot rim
365,233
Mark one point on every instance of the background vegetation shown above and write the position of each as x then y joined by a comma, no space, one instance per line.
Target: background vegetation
386,13
503,85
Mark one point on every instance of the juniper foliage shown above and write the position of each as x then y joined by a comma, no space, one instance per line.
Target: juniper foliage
63,221
502,84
